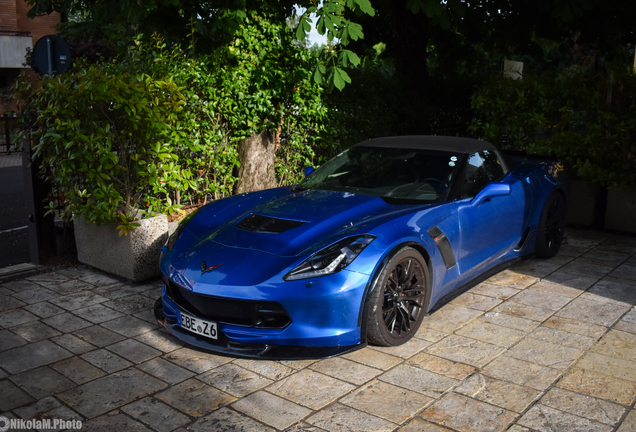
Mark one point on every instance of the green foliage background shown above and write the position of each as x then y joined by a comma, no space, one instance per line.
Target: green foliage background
159,127
586,119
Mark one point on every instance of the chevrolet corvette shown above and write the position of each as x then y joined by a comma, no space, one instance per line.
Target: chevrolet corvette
359,251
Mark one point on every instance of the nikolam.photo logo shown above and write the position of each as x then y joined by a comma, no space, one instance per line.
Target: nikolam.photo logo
44,424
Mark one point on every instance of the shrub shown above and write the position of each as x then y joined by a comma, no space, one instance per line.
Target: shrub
102,136
588,122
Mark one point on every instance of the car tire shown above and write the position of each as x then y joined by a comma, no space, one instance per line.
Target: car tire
551,226
399,299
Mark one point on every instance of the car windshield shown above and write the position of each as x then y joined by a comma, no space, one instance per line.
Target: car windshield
390,173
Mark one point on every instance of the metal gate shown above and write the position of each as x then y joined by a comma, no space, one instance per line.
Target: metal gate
8,133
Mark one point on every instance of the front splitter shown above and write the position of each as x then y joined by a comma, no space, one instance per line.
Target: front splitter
225,346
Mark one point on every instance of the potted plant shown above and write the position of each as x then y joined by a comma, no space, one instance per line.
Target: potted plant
102,138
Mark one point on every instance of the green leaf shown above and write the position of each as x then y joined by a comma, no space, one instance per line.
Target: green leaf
363,5
353,57
355,31
415,5
340,77
301,33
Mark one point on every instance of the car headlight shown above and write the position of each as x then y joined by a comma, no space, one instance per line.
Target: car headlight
175,235
331,259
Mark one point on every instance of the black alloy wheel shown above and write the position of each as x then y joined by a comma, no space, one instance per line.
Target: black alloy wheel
551,226
399,300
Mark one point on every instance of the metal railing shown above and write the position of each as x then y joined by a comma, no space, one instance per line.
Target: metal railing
8,133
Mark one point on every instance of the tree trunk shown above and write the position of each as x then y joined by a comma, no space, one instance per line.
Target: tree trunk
257,157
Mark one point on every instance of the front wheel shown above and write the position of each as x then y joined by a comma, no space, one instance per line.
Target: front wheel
398,302
551,227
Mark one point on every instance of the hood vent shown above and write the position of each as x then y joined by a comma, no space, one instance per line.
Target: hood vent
266,224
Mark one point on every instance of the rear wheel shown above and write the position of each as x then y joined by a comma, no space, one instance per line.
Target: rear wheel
551,227
398,302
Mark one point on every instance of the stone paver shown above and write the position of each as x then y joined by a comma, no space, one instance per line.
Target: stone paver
156,414
442,366
419,380
629,424
542,346
42,382
572,340
33,355
496,392
521,372
311,389
599,385
465,350
106,393
491,333
271,410
373,398
44,309
339,417
346,370
78,370
47,408
195,361
595,312
106,360
234,380
584,406
468,415
194,397
545,353
11,396
134,351
226,420
166,371
545,419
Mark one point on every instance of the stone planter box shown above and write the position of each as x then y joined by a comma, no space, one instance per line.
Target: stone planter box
585,206
621,210
134,257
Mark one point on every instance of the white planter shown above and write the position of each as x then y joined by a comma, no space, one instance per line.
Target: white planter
135,256
621,210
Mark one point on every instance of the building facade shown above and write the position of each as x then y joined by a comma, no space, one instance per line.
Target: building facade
17,33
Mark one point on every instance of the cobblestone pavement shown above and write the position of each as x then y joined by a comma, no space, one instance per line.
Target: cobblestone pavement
543,346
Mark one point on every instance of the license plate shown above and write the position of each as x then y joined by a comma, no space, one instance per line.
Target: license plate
198,326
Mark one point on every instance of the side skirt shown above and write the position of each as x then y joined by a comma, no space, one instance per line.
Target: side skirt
476,281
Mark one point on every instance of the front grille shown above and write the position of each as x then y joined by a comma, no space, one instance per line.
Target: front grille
259,314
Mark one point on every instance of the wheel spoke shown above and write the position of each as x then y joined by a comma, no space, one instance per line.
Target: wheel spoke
411,289
408,269
390,317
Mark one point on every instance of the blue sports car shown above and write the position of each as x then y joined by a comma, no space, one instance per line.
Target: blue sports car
358,252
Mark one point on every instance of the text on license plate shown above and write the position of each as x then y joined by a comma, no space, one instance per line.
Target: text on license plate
198,326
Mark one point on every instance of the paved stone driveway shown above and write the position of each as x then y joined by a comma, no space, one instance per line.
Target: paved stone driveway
543,346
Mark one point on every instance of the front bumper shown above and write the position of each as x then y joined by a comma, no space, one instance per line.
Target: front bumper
224,345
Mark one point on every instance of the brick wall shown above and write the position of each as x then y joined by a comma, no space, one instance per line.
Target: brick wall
39,26
8,17
13,17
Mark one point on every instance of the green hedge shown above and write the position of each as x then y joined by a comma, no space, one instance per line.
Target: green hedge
588,122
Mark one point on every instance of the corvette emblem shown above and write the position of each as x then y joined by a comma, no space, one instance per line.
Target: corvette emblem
205,268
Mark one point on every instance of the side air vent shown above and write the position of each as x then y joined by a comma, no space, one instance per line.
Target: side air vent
266,224
524,240
444,246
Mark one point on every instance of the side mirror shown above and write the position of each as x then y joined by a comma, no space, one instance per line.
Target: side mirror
491,190
307,171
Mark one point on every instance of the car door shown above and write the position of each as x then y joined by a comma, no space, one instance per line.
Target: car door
491,227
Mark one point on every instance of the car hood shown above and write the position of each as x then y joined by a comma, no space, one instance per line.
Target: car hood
299,220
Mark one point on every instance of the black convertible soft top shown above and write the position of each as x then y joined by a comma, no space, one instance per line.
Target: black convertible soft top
430,142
